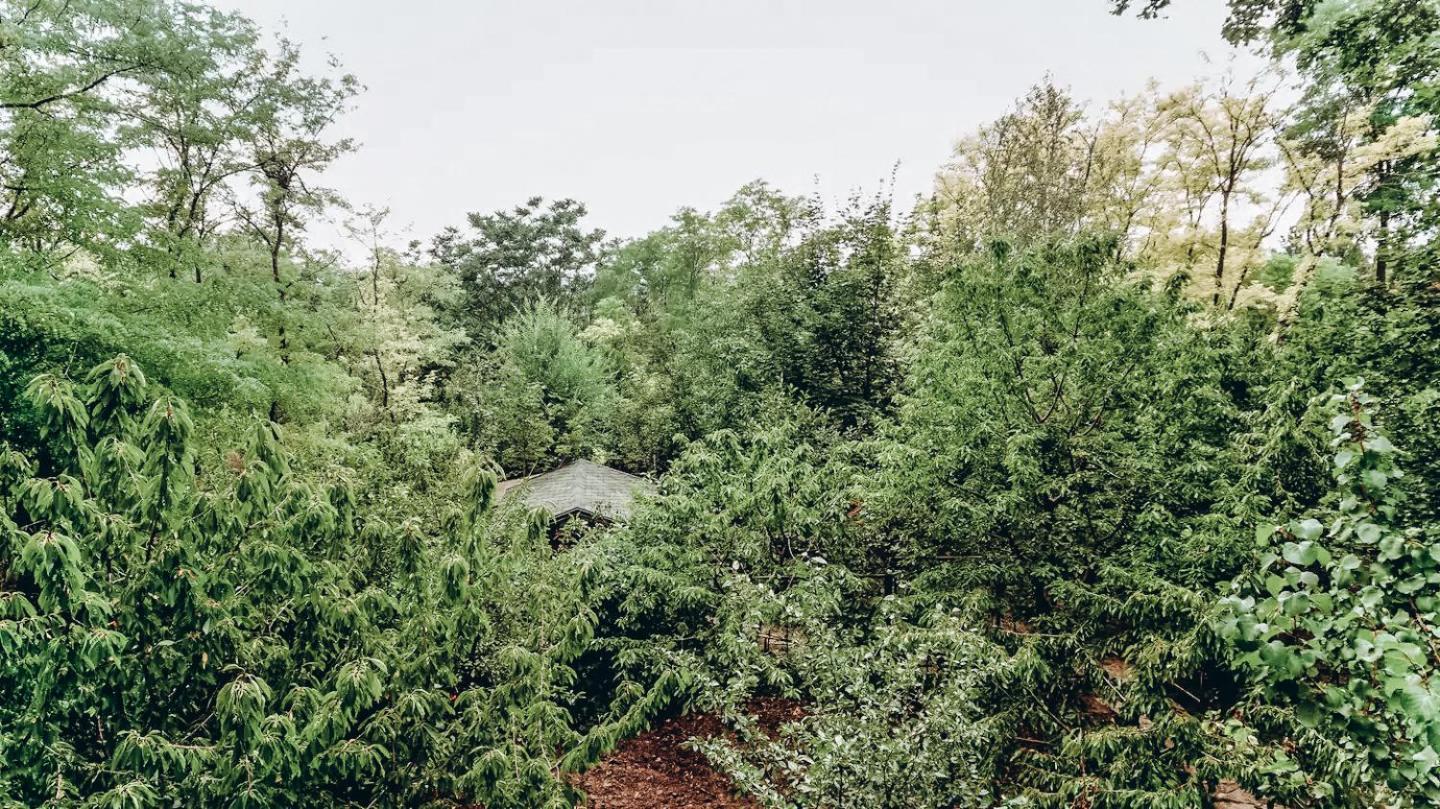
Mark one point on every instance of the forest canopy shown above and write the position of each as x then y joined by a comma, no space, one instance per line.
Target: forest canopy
1107,474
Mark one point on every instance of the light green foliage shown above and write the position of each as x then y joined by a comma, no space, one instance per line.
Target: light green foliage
1028,176
975,487
1377,57
287,147
205,341
139,605
59,125
540,398
900,722
86,84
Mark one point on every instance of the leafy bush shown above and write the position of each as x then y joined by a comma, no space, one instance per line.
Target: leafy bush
251,640
1338,625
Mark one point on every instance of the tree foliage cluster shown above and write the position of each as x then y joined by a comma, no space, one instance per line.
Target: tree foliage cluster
1104,476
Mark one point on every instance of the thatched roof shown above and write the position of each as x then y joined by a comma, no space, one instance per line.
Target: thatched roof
583,487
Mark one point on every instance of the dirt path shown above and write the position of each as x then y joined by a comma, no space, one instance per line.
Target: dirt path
655,769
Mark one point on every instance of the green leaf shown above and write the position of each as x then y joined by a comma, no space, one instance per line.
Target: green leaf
1410,585
1274,584
1379,444
1263,532
1302,553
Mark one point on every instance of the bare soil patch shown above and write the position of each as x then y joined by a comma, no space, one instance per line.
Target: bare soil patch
656,769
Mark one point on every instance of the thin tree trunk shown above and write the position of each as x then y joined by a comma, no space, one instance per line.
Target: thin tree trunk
1224,245
1382,250
384,384
375,278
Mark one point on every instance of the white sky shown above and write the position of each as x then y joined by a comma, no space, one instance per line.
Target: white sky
639,107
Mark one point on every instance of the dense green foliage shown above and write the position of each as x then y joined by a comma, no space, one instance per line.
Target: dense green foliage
1337,621
1059,490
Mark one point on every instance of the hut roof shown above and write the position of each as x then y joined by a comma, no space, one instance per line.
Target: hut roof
581,487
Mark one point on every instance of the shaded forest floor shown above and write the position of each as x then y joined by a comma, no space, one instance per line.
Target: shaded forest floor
657,769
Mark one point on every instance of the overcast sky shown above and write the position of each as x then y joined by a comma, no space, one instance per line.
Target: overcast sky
639,107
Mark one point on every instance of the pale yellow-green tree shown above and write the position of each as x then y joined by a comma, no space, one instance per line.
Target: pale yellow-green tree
397,345
1332,183
1021,178
1127,186
1186,179
1221,203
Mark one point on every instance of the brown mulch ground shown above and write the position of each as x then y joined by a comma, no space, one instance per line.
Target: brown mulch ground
655,769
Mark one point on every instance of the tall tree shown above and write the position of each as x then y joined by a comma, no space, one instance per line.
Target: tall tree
1024,177
67,70
1378,57
828,312
1220,140
290,144
200,120
517,257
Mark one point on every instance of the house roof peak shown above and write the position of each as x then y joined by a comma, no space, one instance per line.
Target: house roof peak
579,487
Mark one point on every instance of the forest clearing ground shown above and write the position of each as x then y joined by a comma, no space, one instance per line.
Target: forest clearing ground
657,769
